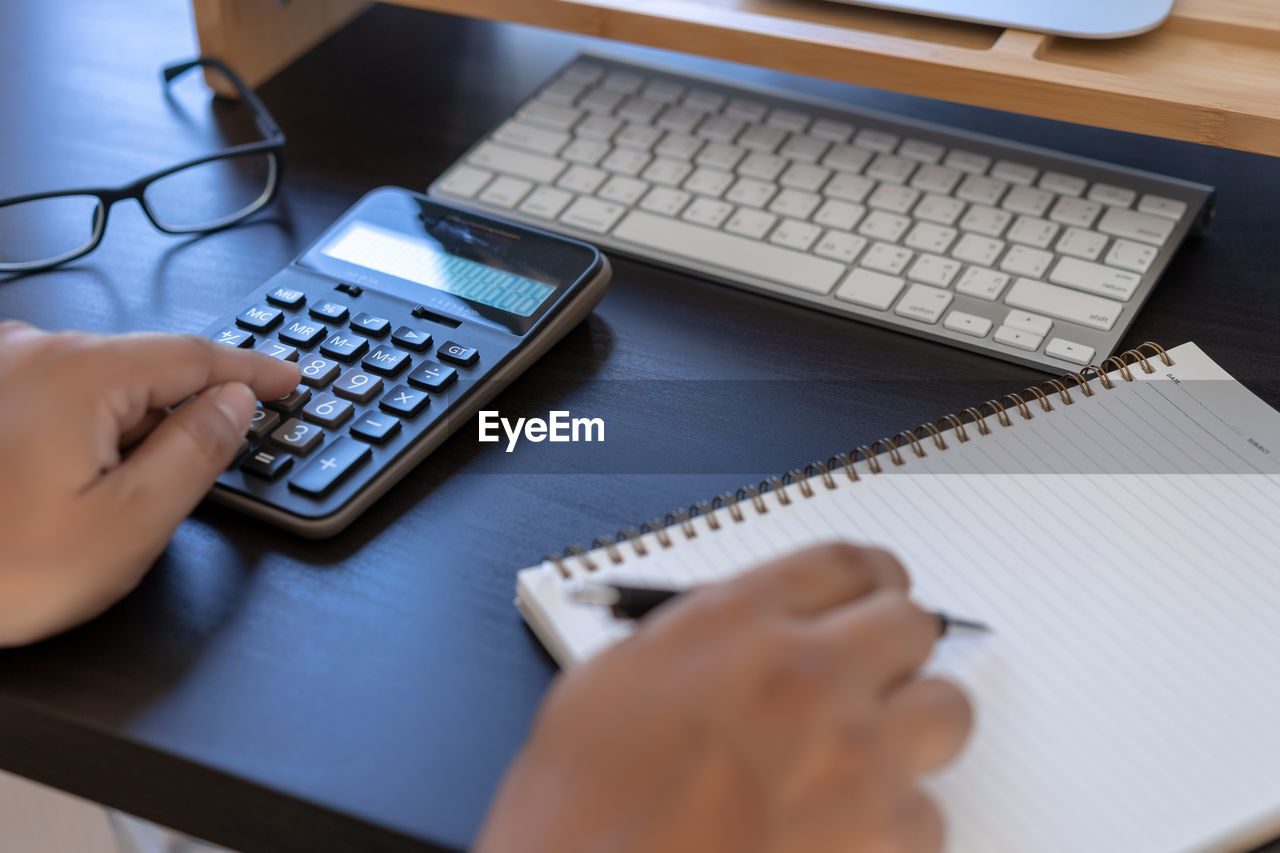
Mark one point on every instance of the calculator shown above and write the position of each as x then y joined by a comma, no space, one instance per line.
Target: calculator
405,317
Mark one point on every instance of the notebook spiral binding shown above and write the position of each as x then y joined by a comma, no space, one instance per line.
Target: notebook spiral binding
911,440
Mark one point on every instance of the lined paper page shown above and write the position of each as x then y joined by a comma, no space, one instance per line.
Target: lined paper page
1124,548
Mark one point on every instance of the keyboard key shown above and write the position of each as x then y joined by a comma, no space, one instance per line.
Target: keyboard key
934,270
803,176
1025,261
1132,225
762,138
668,201
921,151
1037,233
512,161
752,112
750,223
663,91
1014,173
846,158
464,181
928,237
1095,278
849,187
318,371
625,161
266,463
985,220
679,120
1028,322
637,136
721,129
233,337
795,234
678,146
302,333
1161,206
591,214
1064,304
506,191
876,140
839,214
669,172
326,310
739,254
287,297
375,427
1136,257
872,289
432,376
747,191
804,149
1027,201
893,198
789,120
277,350
298,437
600,101
882,225
328,411
976,249
1075,211
582,73
531,137
717,155
585,152
1069,351
884,257
710,182
831,131
891,169
1111,196
1068,185
404,401
840,246
324,472
259,318
291,402
983,283
413,339
1018,338
923,303
1081,244
597,128
796,204
262,423
582,179
549,114
967,324
357,385
980,190
707,211
939,209
386,361
622,81
456,353
368,324
628,191
936,179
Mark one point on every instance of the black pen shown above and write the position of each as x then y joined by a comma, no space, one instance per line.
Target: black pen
633,602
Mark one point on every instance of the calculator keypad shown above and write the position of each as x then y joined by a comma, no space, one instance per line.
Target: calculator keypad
357,393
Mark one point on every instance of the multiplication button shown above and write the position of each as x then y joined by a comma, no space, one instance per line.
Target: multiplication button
405,401
337,461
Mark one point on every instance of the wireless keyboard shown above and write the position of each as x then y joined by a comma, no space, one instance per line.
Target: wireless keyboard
1018,252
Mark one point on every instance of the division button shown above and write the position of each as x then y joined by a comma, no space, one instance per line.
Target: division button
432,376
324,472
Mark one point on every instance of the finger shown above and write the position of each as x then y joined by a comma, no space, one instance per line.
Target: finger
822,577
167,369
925,724
884,637
920,825
172,469
139,430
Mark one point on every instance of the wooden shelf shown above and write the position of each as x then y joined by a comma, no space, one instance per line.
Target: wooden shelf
1210,74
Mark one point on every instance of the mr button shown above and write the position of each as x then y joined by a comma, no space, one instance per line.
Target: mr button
323,473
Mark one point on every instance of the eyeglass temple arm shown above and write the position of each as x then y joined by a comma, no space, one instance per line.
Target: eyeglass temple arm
266,124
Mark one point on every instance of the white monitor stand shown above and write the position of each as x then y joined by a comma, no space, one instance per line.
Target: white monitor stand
1090,19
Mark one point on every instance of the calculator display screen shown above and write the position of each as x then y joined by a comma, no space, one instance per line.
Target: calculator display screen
427,262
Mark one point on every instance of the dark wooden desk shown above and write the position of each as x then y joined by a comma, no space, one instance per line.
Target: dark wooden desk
365,693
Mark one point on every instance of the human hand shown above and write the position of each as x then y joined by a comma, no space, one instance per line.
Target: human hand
96,474
779,712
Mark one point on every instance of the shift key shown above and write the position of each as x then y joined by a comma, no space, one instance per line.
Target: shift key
1064,304
513,161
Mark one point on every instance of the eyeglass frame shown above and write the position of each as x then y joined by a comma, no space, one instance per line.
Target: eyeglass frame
272,143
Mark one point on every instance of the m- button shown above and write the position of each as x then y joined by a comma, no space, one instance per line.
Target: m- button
458,354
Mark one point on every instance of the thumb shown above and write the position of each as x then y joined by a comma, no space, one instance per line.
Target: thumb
164,478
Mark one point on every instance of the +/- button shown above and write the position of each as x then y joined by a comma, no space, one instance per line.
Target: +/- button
233,337
458,354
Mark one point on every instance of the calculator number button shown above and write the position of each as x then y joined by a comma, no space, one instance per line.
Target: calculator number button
344,347
233,337
317,371
275,349
432,376
410,338
386,360
328,411
458,354
337,461
326,310
367,324
299,437
357,385
291,402
263,422
268,464
403,400
259,318
287,297
377,428
302,333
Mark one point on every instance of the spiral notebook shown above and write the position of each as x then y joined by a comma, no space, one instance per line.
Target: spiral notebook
1118,529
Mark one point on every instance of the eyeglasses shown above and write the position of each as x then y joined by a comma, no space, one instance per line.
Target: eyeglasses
194,197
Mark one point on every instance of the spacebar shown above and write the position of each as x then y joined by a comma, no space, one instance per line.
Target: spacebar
730,252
